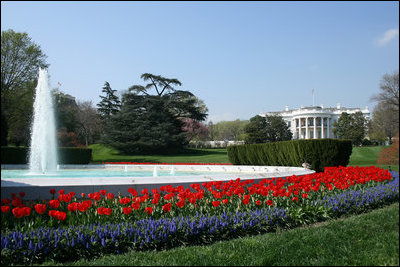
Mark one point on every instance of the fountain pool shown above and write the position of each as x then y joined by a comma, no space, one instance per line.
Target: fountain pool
118,178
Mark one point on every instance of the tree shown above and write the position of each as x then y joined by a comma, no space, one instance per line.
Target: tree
389,91
89,121
256,130
20,62
194,129
228,130
384,121
150,123
267,129
110,103
350,126
66,111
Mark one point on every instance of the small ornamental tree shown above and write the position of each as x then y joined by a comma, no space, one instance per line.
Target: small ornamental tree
110,103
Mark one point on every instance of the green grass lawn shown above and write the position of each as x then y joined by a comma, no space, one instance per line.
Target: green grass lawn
107,154
361,156
367,239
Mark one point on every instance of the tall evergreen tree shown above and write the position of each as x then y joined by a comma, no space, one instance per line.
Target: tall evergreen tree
110,103
150,123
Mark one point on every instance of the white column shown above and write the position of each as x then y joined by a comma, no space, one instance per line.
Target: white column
327,127
322,127
315,128
306,127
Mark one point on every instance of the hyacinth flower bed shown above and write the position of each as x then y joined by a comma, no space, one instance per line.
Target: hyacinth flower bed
70,225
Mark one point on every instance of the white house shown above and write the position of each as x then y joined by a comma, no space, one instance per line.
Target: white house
314,121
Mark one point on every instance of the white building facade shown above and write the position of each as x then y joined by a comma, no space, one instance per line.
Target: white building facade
315,121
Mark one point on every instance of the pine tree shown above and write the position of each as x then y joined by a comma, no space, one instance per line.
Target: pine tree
110,103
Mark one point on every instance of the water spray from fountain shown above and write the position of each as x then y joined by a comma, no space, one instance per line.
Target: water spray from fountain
43,149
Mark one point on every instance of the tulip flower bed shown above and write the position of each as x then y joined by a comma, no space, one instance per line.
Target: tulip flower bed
68,226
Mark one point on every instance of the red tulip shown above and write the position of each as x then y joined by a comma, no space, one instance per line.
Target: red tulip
5,209
127,210
40,208
149,210
215,203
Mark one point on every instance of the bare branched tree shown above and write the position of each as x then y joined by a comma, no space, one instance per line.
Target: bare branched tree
389,94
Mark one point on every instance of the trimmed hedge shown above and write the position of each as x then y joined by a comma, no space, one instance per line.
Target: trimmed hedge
67,155
319,153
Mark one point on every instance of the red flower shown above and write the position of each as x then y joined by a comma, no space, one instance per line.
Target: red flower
216,203
136,205
154,201
18,212
295,199
22,194
61,192
181,203
127,210
66,198
100,211
103,192
124,201
269,202
258,202
149,210
132,191
110,195
54,203
167,207
5,209
61,215
52,191
26,211
72,194
144,191
246,201
40,208
225,201
73,206
82,194
304,195
6,201
16,202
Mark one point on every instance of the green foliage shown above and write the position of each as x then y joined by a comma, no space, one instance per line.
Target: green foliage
20,61
74,155
65,111
153,123
350,126
14,155
146,125
228,130
269,129
319,153
110,103
67,155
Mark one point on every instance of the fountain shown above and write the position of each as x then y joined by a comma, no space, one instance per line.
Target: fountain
43,153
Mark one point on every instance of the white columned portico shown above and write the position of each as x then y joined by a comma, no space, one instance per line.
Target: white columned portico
315,128
306,127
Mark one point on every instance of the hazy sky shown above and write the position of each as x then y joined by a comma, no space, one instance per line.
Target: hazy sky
241,58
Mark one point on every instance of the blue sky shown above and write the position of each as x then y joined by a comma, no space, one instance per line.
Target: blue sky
241,58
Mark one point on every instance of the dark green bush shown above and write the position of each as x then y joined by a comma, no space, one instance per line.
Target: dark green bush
67,155
319,153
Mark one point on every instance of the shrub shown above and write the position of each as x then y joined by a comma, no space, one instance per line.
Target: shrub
319,153
67,155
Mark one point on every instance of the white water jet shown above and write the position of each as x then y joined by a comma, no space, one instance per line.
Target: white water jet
155,173
172,171
126,168
43,153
